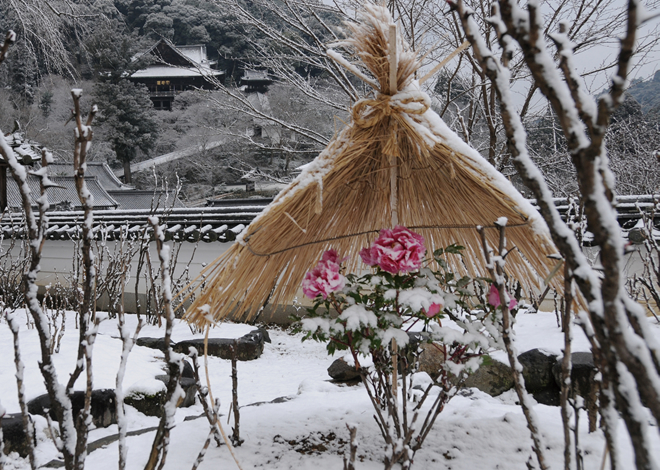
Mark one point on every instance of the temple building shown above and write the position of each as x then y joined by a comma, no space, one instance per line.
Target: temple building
175,69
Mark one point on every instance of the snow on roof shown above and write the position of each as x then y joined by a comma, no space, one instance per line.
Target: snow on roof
255,75
133,199
196,52
26,150
164,71
100,170
66,194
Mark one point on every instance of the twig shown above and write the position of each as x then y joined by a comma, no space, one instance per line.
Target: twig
174,394
349,464
211,413
127,345
496,269
208,381
202,453
20,385
10,39
87,333
59,398
236,434
566,367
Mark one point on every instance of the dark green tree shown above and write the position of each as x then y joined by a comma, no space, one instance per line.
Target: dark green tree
159,25
46,103
128,119
23,76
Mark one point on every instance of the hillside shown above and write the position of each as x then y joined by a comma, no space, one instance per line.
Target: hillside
647,93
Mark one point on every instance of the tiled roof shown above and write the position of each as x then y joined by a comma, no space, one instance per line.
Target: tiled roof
184,61
63,196
100,170
132,199
255,75
27,151
207,224
195,52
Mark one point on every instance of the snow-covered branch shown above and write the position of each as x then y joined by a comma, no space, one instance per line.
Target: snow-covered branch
174,393
615,321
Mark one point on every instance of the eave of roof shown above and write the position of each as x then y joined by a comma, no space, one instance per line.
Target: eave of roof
164,71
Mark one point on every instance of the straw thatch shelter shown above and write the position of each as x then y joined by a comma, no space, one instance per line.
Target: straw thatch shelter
396,159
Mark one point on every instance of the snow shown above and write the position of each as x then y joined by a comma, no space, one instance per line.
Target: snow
145,387
165,71
357,315
475,431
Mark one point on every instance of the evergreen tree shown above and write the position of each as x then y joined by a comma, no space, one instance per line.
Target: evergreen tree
128,118
46,103
23,75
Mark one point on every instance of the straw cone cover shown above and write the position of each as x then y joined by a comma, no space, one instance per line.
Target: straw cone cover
444,189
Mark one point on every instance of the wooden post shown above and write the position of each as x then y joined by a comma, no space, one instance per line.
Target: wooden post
3,187
394,200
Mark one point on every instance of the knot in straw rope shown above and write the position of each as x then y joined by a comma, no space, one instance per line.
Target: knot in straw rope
368,112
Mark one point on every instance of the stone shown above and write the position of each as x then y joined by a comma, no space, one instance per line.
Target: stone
150,405
538,375
264,333
537,369
188,372
341,371
430,359
103,408
250,346
583,383
492,377
550,396
153,343
14,436
583,372
276,400
188,385
637,236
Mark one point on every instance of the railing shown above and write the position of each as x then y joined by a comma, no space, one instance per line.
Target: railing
163,94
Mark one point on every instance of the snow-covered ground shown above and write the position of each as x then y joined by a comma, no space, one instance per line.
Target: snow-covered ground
475,431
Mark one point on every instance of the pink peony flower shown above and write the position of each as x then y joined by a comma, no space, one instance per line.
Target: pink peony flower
325,277
494,298
433,310
396,250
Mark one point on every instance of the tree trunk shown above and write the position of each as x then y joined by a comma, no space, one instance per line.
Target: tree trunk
128,179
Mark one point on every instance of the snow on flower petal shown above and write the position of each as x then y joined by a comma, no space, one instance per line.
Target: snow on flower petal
325,278
396,250
418,299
